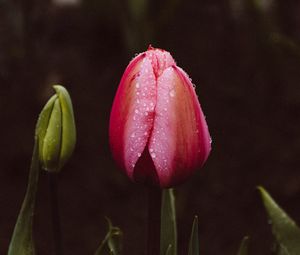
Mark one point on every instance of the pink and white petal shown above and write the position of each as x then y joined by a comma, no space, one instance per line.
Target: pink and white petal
202,128
133,113
160,60
176,143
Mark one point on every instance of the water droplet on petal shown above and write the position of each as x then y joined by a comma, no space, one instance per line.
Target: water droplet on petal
153,155
172,93
137,85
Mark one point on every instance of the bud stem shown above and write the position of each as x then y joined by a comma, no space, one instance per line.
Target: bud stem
154,209
56,223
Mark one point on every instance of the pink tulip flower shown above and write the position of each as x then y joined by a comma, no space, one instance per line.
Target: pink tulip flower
158,133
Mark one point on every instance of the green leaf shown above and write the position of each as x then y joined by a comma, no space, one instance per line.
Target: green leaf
168,230
22,240
169,250
285,230
112,243
194,239
243,250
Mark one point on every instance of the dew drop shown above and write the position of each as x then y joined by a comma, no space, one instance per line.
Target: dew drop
136,111
153,155
139,154
137,85
133,135
172,93
151,150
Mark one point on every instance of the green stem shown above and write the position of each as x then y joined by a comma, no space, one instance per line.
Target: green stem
154,209
22,239
56,223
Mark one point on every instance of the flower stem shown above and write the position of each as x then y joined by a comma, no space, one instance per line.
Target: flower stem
56,223
154,210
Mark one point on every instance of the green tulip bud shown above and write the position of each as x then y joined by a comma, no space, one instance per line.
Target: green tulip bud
55,131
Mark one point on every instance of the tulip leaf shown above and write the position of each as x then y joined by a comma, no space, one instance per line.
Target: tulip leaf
168,231
112,243
243,250
22,240
285,230
169,250
194,239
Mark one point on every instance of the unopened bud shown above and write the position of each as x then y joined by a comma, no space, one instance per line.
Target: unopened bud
55,131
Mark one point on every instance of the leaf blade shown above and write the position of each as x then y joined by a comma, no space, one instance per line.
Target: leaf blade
194,239
22,242
243,250
285,230
112,243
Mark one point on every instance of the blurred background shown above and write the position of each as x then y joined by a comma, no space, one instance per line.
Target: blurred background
244,58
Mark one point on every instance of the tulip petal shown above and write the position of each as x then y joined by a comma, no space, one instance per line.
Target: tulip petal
179,142
68,131
52,139
132,113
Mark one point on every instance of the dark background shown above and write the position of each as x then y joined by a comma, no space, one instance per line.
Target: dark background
244,58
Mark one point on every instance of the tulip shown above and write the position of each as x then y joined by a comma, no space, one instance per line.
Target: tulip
158,133
56,131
